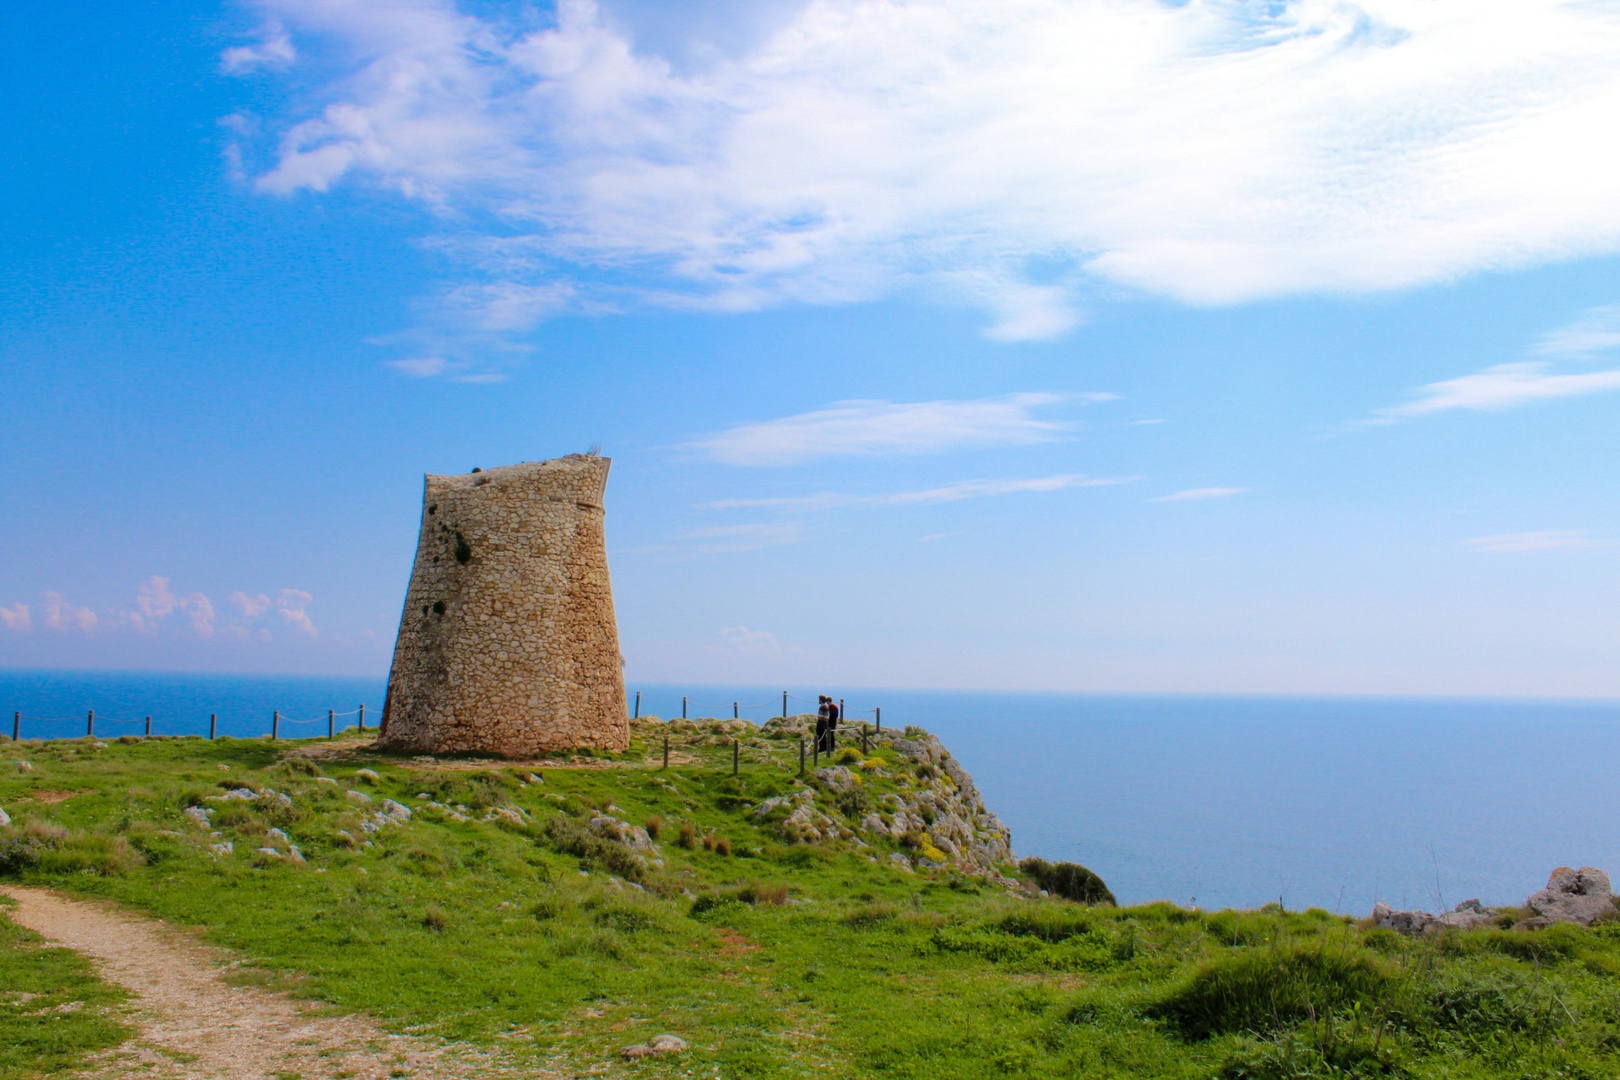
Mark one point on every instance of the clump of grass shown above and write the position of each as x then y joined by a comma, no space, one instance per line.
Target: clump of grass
571,838
1271,989
687,838
46,847
869,915
435,919
653,825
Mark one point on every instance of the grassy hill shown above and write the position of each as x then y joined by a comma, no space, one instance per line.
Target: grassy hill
560,912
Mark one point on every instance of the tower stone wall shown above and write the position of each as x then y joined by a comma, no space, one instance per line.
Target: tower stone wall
508,643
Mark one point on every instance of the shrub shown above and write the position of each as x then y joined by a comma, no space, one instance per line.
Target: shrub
1268,990
1068,880
854,803
849,755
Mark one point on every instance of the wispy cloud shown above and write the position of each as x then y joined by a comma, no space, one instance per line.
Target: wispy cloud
1020,155
1504,386
1199,493
1514,543
849,428
1597,330
729,539
967,489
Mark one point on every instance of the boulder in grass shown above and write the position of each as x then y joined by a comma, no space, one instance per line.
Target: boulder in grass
5,819
1576,896
658,1044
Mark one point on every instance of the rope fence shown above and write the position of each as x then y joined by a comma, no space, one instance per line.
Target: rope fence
737,708
276,720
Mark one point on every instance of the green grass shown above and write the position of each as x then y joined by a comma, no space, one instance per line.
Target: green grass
54,1010
779,960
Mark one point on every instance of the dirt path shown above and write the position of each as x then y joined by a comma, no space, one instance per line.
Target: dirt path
193,1025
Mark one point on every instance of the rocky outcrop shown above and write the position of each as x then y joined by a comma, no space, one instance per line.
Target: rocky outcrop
1577,896
1466,915
936,815
1571,896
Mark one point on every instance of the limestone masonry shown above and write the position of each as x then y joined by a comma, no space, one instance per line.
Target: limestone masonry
508,643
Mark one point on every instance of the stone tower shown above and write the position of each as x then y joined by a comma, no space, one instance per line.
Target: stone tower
508,644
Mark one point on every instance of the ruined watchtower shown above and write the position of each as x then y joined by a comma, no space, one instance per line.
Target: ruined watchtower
508,643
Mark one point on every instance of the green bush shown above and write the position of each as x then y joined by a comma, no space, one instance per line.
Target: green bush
1068,880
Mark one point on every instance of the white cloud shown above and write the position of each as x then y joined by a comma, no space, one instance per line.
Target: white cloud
154,599
1199,493
16,617
1513,543
881,427
751,642
1502,387
60,615
1021,155
290,605
967,489
274,50
250,606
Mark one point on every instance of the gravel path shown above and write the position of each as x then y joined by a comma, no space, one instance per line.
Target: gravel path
193,1025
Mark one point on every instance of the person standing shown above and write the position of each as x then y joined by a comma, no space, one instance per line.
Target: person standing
832,725
821,723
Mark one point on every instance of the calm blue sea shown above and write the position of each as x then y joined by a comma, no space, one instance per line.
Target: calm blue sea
1213,801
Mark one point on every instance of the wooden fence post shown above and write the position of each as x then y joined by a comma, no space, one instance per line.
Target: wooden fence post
16,725
148,727
363,718
784,704
736,751
879,711
275,725
213,719
637,715
90,724
801,755
331,724
666,751
866,747
735,715
683,707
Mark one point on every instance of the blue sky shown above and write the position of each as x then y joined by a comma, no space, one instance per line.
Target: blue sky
1043,344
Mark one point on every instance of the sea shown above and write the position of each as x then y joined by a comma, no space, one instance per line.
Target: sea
1204,801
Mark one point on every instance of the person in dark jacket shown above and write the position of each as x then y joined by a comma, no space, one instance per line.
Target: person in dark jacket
832,725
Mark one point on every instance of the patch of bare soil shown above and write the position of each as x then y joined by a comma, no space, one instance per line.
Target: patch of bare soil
193,1025
49,797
